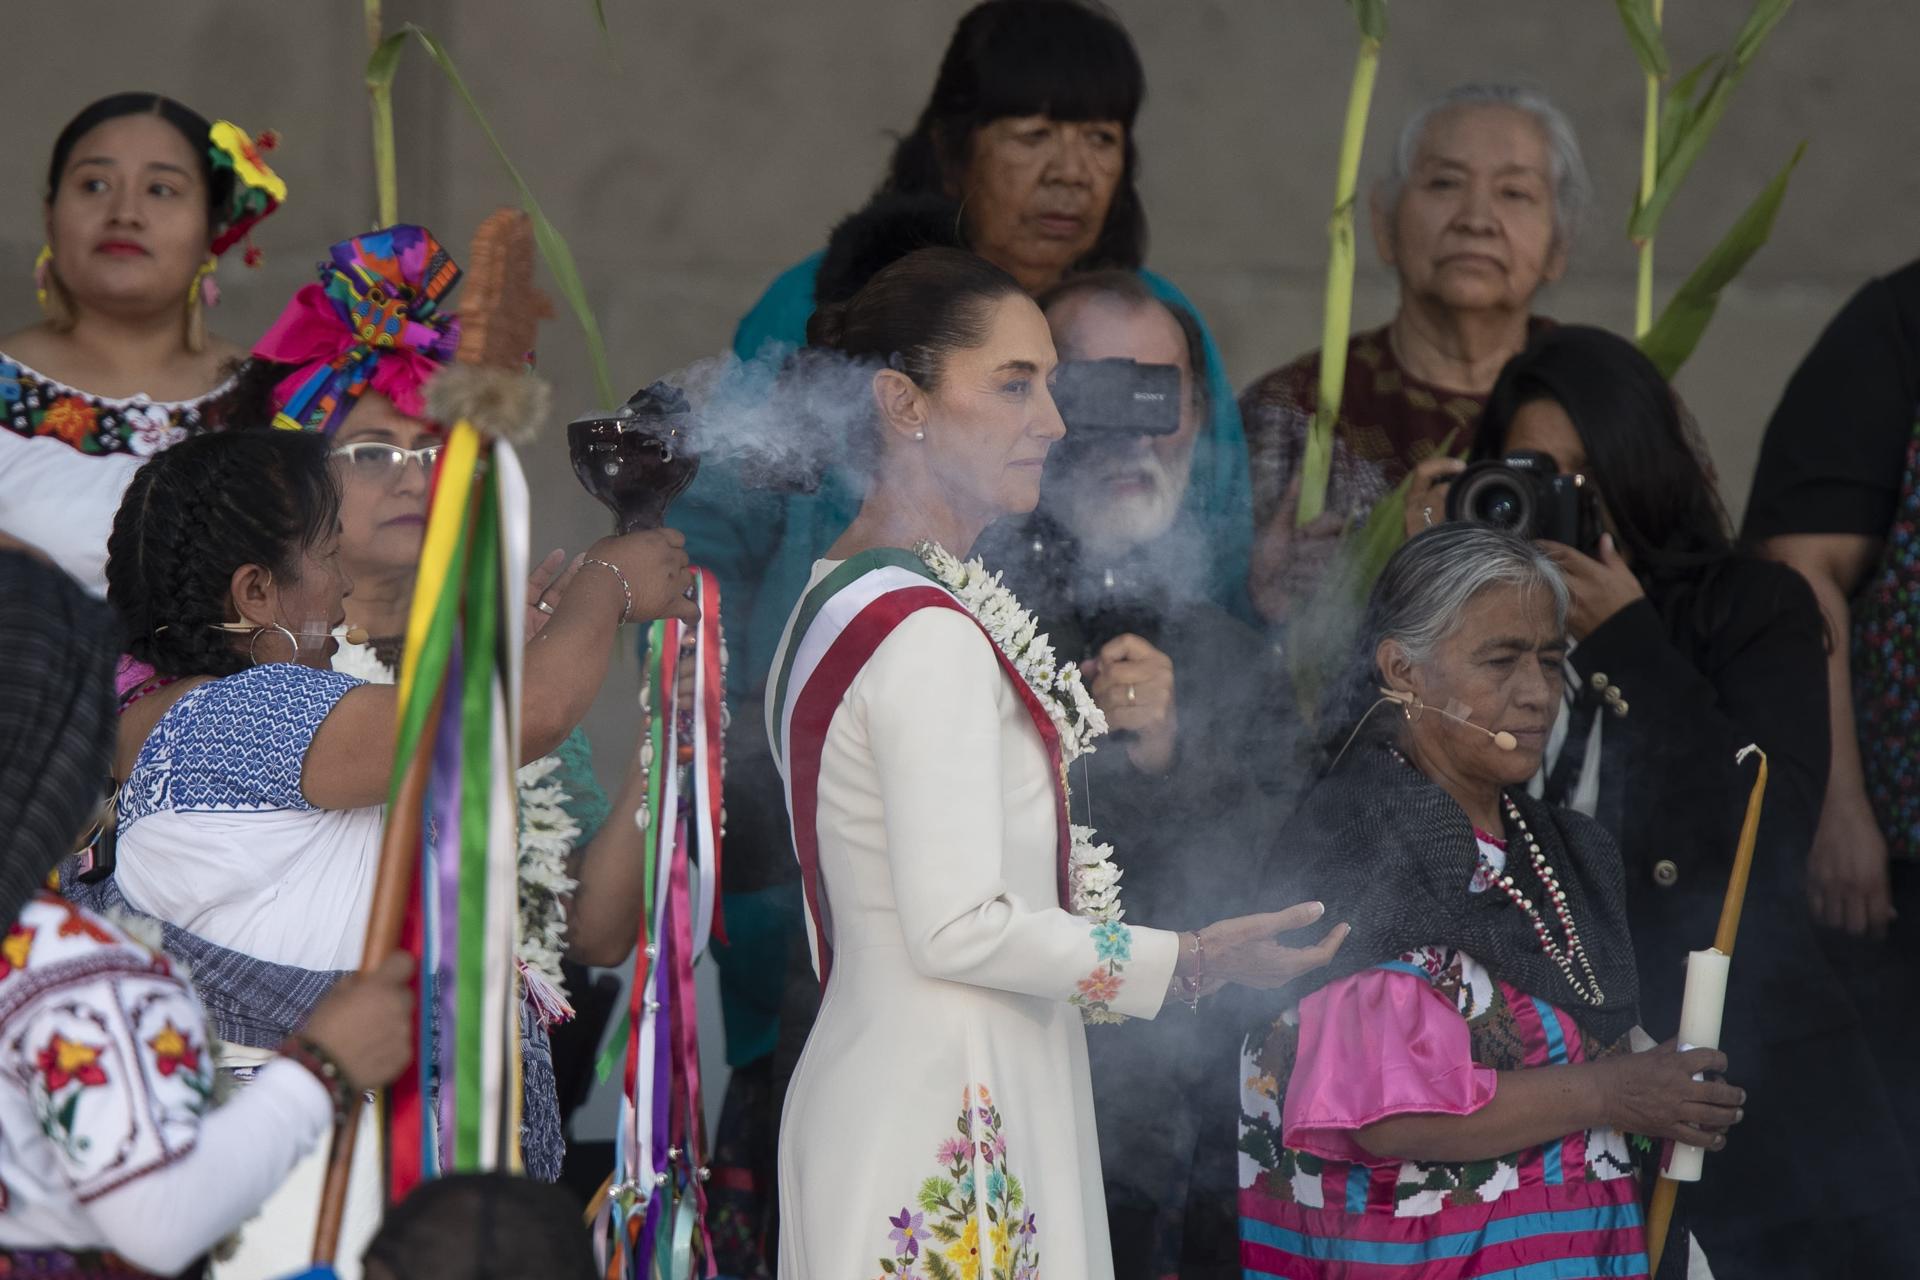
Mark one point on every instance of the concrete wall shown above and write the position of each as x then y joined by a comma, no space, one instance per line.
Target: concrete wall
709,144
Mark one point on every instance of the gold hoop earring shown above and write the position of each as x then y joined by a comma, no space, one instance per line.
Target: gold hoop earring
254,643
42,272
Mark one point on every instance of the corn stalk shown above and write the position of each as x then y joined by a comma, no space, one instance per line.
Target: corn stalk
1338,315
1678,125
553,246
1643,28
386,182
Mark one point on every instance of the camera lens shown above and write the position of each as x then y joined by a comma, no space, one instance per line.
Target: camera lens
1499,499
1499,507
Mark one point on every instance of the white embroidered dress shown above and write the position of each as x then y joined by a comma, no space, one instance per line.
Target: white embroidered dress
217,837
108,1136
941,1121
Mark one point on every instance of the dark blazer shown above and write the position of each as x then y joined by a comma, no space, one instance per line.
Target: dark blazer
1702,672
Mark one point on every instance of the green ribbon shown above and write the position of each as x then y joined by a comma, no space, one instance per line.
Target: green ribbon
478,679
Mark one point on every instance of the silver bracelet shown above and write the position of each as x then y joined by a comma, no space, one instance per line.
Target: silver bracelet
626,615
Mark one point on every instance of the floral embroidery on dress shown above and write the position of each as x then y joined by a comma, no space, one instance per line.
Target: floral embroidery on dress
1113,946
940,1238
32,404
68,1068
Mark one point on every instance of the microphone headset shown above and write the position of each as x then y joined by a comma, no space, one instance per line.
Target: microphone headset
352,635
1501,738
1409,703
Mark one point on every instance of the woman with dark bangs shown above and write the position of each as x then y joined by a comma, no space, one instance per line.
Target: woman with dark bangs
1026,149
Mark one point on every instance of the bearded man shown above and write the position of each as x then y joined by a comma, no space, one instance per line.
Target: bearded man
1196,772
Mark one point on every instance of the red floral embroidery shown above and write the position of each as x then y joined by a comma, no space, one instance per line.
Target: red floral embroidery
14,949
70,419
1101,986
172,1051
64,1061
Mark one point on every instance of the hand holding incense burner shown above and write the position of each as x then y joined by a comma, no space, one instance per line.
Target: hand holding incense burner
638,458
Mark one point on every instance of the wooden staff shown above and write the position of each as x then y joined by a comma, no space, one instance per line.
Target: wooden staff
489,387
392,886
1666,1190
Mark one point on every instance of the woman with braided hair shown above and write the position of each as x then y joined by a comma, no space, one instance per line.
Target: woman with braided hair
116,1156
255,775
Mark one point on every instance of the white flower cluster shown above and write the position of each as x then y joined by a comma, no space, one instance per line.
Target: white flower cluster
1093,881
1072,709
547,835
1092,877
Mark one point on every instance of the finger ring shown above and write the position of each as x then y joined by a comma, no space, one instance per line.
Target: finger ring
1131,696
543,607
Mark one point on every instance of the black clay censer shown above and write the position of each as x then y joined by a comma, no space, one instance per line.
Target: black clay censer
638,458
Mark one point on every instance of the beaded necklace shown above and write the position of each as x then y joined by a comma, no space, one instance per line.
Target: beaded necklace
1575,951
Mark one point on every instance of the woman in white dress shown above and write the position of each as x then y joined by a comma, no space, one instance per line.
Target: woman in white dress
143,197
940,1122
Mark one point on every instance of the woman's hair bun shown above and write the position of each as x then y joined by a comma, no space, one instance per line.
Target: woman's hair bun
827,326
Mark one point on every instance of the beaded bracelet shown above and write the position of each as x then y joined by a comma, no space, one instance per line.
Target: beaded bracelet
626,615
324,1067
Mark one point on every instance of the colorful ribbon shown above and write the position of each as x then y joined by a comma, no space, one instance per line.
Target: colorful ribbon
459,691
373,322
654,1223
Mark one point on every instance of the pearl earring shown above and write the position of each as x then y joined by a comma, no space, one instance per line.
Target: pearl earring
919,435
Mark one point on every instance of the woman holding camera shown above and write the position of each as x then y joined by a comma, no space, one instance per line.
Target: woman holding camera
1685,651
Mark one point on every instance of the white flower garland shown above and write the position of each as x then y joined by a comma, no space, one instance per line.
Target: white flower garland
547,836
1093,881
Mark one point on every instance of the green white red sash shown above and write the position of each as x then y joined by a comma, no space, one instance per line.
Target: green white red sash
838,626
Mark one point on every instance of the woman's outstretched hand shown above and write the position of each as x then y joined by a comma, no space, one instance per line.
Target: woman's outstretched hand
1244,949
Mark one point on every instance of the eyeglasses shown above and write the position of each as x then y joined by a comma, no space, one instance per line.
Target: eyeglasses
384,463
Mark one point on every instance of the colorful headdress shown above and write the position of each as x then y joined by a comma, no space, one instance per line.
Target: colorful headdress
373,322
257,190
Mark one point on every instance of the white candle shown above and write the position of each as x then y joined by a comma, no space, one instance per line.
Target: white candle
1701,1007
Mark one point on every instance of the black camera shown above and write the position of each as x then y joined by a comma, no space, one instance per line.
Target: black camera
1526,493
1117,397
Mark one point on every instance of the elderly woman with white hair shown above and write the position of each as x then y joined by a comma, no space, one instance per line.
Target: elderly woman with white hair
1476,216
1451,1096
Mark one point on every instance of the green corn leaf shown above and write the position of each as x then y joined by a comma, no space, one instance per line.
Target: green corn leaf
1691,136
1678,111
1688,143
1643,30
1372,16
1765,17
1675,334
385,61
553,246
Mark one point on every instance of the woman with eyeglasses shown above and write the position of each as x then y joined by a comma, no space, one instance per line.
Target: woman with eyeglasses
254,777
349,358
